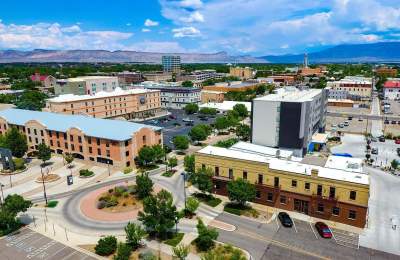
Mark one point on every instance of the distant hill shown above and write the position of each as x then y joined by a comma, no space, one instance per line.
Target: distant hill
374,52
11,56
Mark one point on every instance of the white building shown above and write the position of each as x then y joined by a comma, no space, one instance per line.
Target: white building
391,89
289,118
355,86
88,85
226,105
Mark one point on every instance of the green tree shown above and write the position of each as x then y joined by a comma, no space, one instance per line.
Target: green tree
394,164
241,109
16,142
172,162
241,191
68,158
159,213
134,234
144,185
123,252
12,206
198,133
15,204
192,204
260,90
191,108
181,252
187,84
146,156
208,111
106,246
181,142
32,100
243,132
202,179
206,237
159,152
189,163
221,123
44,152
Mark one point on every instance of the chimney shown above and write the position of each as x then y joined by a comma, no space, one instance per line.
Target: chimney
314,172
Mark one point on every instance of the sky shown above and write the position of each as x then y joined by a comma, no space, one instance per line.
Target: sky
239,27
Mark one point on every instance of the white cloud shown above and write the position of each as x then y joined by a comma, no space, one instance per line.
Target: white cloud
193,17
150,23
146,30
186,32
191,3
55,36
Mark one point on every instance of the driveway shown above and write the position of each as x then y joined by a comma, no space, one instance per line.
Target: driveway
352,144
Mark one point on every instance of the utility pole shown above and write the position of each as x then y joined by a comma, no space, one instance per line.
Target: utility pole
2,200
44,186
184,186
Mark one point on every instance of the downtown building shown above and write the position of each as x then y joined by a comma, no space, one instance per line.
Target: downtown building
114,142
171,64
289,118
354,87
86,85
130,104
333,188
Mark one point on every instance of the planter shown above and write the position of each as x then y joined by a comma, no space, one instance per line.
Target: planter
54,177
85,177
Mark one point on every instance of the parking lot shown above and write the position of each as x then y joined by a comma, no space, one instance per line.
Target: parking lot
356,125
28,244
174,125
351,110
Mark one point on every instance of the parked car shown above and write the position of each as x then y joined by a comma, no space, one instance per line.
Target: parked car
386,122
172,117
374,139
285,219
350,118
381,138
394,122
398,151
360,119
323,230
374,151
397,141
341,125
346,123
398,122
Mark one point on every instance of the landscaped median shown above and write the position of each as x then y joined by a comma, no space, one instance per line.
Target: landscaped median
85,173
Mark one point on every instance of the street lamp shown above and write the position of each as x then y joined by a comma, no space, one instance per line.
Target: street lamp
184,186
176,224
108,166
44,186
2,194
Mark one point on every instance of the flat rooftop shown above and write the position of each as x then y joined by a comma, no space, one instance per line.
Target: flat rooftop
84,78
118,130
288,165
261,150
101,94
291,94
226,105
235,84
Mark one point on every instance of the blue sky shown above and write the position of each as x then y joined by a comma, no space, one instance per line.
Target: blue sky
254,27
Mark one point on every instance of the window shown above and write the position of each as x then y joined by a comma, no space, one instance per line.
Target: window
29,130
270,196
320,207
36,140
71,138
332,192
98,141
41,132
319,190
108,153
65,136
353,195
126,143
72,147
144,139
283,199
335,211
57,134
98,151
30,139
307,186
260,179
79,139
108,144
294,183
58,143
90,149
80,149
352,214
50,134
127,153
34,131
244,175
216,171
89,140
66,145
231,174
276,181
258,194
51,142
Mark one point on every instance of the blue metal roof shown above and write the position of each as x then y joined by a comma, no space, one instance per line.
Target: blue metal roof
118,130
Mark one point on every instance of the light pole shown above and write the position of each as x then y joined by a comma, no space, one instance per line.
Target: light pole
184,186
176,224
44,186
108,167
2,194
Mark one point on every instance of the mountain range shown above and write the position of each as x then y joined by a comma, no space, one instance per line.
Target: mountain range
374,52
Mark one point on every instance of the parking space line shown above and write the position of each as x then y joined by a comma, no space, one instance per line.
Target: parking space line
71,254
294,225
315,234
62,248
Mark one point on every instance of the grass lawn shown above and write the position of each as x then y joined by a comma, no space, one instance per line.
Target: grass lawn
52,204
147,168
175,239
241,210
207,199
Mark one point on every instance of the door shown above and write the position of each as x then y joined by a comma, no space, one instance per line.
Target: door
301,206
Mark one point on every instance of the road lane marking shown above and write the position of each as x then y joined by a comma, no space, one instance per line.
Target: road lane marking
281,244
315,234
294,225
71,254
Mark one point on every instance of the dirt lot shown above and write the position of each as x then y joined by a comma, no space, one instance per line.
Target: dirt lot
355,126
363,111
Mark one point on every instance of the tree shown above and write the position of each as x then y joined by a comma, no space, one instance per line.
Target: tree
241,109
15,203
16,142
106,246
44,152
123,252
191,108
159,152
144,185
208,111
187,84
134,234
394,164
32,100
12,206
159,213
241,191
260,90
189,163
172,162
146,155
181,142
181,252
68,159
206,237
192,204
221,123
202,179
243,132
198,133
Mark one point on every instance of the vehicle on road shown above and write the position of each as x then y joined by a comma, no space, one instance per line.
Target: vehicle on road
386,122
341,125
285,219
172,117
394,122
346,123
323,230
374,151
397,141
187,120
350,118
343,155
381,139
360,119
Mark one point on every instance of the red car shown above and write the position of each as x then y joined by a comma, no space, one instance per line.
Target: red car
397,141
323,230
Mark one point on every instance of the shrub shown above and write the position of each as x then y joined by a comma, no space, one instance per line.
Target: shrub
85,173
234,211
192,204
123,252
52,204
111,202
19,164
147,256
132,190
128,170
125,194
101,204
106,246
110,190
206,237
